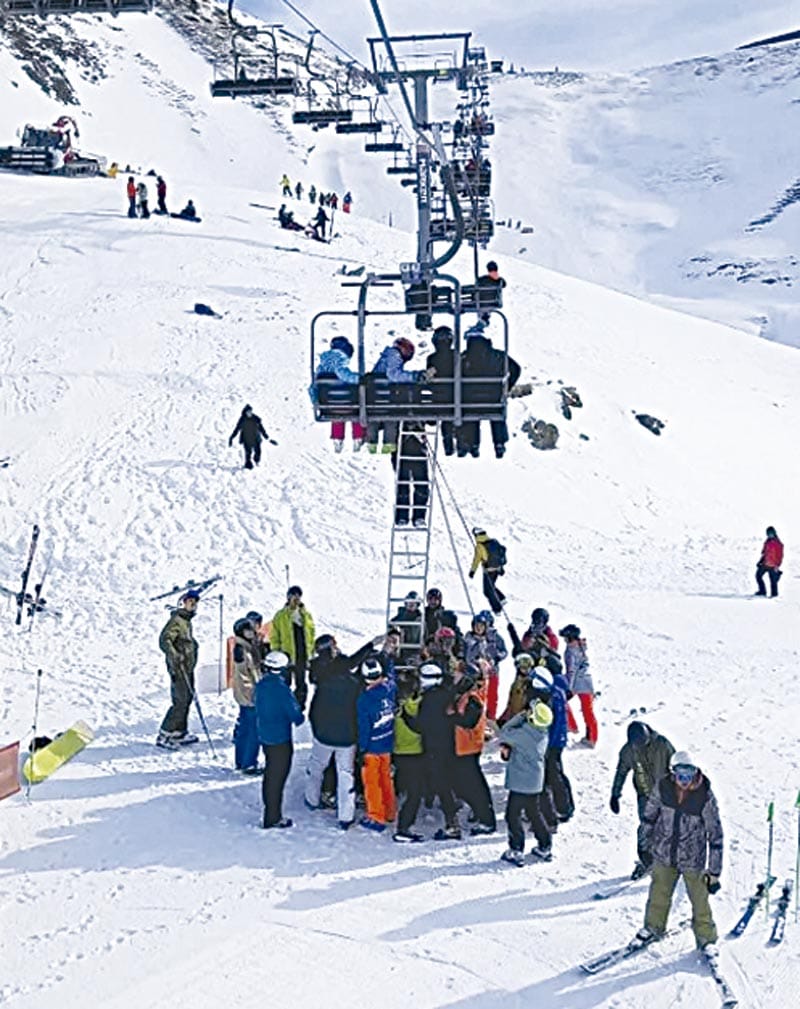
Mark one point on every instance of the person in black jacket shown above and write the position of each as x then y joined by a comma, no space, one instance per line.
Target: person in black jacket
443,360
410,460
250,431
334,724
483,369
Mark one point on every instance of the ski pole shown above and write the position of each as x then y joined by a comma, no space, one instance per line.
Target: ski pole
34,728
199,710
286,569
797,860
221,633
770,819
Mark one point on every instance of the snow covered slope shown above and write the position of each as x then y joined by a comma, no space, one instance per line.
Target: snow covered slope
679,183
137,878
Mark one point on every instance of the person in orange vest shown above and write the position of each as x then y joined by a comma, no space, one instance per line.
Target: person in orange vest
469,717
131,196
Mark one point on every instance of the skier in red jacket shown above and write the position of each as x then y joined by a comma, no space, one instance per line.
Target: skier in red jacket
770,563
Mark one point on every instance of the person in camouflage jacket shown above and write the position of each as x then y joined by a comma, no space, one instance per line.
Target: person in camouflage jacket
683,831
180,649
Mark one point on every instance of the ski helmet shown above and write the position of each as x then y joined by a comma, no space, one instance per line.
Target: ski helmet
523,661
412,599
325,642
405,346
434,594
539,714
541,680
445,634
540,617
683,767
242,626
343,344
477,531
571,632
294,590
276,662
442,335
638,734
371,670
430,675
486,616
254,617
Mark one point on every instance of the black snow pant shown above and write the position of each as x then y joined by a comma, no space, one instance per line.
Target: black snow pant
162,205
558,785
440,779
252,454
468,438
448,432
520,805
774,577
472,787
409,784
144,210
494,596
411,471
131,206
277,762
181,694
499,433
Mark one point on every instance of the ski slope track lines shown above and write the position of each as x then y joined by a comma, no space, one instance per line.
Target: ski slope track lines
136,877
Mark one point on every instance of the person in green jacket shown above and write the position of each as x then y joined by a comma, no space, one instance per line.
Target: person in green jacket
647,754
180,649
409,761
293,632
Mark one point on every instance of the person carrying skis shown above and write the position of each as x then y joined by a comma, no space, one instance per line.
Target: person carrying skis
490,554
523,743
375,708
177,643
246,673
250,431
683,831
131,191
276,712
334,723
769,563
579,681
647,754
286,186
161,195
334,367
293,632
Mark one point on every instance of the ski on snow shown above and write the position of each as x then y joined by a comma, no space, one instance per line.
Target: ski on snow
711,960
26,574
37,603
779,925
636,945
752,904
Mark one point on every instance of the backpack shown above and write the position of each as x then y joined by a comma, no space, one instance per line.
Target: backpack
496,554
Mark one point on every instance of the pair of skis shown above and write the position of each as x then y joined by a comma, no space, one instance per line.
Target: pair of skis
779,922
641,942
199,587
33,600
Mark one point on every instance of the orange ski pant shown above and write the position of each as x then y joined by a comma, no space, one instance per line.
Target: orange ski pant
379,798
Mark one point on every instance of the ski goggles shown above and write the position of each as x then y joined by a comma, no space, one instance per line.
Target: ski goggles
684,773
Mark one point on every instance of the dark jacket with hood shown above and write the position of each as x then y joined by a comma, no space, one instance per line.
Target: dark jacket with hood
649,764
249,428
682,826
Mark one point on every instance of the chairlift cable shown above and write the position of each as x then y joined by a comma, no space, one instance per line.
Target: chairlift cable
446,517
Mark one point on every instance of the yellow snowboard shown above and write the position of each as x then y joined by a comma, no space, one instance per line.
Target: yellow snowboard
44,762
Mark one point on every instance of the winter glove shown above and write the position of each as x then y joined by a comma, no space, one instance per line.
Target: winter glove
712,882
505,751
472,574
614,804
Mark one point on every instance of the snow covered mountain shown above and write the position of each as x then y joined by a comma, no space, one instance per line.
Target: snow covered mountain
137,878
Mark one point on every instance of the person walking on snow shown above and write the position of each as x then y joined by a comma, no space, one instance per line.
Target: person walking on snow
293,632
250,431
141,197
131,191
770,563
523,743
276,712
489,554
177,643
286,186
579,681
375,708
312,194
683,830
298,190
647,754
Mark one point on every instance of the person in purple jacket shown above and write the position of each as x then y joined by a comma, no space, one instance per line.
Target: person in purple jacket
375,709
277,711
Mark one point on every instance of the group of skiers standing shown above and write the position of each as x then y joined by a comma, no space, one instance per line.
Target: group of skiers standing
325,199
139,199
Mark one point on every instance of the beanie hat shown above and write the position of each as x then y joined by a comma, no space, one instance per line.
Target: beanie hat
343,344
294,590
191,594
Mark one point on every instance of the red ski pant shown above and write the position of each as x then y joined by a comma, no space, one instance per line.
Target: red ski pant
379,799
492,688
338,426
587,710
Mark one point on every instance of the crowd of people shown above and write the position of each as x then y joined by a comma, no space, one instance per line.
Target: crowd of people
139,199
330,200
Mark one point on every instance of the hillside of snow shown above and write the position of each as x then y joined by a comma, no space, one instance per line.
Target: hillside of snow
678,183
136,877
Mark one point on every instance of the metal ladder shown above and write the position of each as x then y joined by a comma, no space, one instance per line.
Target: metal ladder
410,545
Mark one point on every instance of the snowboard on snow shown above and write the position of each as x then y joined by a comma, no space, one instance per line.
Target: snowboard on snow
180,217
48,759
